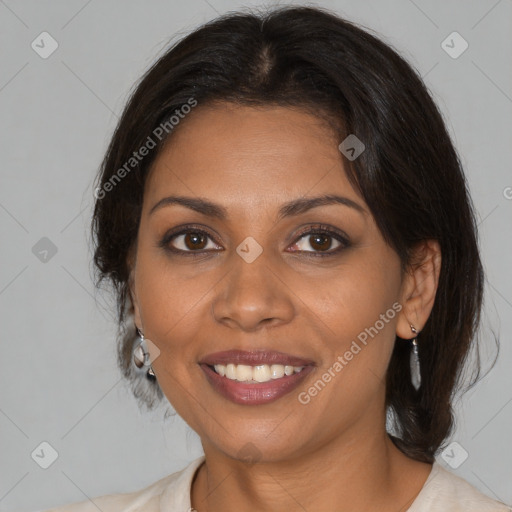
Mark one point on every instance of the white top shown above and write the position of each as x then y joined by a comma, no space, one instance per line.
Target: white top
442,492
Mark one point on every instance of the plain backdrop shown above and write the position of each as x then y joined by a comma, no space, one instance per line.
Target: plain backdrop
59,383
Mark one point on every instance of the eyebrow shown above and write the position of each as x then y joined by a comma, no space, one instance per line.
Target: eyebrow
292,208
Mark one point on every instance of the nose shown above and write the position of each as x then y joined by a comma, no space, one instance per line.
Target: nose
252,296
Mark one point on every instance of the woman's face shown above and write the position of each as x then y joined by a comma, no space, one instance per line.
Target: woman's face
251,275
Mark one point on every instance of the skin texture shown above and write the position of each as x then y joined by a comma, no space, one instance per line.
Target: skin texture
333,453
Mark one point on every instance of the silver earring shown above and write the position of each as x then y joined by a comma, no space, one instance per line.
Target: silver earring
141,356
415,361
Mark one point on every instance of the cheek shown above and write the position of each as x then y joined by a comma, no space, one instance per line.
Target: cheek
167,292
167,303
358,313
357,294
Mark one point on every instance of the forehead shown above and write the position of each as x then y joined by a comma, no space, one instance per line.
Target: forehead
241,154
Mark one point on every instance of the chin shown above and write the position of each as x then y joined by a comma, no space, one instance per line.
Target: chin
252,449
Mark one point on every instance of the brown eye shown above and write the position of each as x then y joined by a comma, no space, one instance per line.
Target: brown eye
321,240
195,240
317,242
189,241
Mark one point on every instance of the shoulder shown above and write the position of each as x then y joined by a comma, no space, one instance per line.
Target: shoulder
172,488
445,491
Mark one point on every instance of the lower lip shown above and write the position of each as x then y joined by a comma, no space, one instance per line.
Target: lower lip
254,394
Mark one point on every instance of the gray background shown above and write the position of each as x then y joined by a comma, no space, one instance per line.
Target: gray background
58,381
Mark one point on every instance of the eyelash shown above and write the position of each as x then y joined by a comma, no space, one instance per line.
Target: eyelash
318,229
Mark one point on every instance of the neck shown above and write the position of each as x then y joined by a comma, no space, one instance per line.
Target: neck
363,470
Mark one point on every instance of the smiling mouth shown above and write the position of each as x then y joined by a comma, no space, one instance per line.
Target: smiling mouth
255,374
262,383
255,377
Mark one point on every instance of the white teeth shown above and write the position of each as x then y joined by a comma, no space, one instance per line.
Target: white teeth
220,369
230,371
258,373
243,373
261,373
277,371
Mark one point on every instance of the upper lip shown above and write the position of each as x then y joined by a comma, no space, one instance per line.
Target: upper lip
253,358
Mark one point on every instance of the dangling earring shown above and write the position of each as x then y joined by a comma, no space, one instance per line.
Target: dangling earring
415,361
141,356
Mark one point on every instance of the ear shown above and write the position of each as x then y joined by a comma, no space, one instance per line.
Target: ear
419,287
135,309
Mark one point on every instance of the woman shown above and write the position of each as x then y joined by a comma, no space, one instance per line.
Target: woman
287,226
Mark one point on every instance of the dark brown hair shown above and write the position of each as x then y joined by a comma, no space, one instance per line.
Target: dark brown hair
409,175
